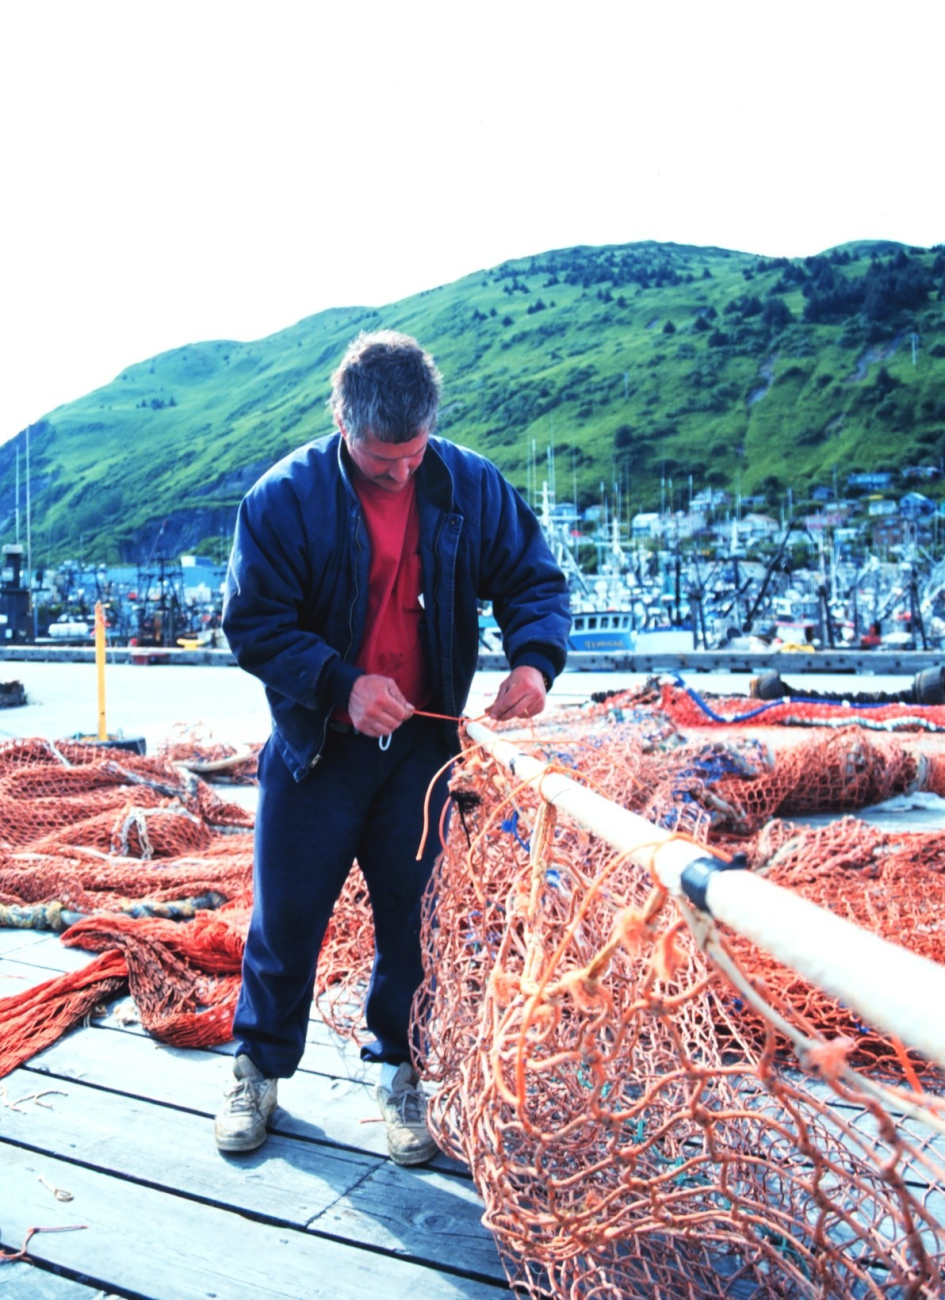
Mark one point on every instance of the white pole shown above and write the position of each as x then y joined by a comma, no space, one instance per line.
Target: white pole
895,990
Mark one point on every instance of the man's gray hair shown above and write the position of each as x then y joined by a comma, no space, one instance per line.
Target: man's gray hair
386,387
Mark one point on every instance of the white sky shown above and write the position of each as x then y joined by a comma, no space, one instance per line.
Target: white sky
178,170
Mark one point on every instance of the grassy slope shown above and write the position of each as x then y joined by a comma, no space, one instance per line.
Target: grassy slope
594,370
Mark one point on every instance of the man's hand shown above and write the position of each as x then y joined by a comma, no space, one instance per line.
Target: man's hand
376,706
521,695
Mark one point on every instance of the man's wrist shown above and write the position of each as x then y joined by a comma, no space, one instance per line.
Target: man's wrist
533,658
338,679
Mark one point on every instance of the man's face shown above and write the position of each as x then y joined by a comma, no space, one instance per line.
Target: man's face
388,465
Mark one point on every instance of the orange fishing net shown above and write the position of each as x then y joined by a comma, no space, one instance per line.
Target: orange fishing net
199,750
649,1106
635,1125
120,848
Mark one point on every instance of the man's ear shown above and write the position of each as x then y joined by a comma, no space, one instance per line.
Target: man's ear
343,431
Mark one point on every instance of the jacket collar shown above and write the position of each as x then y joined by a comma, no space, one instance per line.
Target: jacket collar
433,477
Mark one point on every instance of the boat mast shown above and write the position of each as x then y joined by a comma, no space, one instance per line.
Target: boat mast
29,536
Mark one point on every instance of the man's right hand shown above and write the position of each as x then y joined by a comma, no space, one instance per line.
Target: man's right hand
376,706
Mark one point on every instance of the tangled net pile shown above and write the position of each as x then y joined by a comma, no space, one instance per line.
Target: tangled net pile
649,1106
120,849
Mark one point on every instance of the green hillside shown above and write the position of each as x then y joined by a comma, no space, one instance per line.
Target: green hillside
637,362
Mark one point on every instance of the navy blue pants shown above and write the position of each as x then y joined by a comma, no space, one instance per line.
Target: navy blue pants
358,802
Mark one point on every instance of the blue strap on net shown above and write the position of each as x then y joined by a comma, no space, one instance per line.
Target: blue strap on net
510,824
772,704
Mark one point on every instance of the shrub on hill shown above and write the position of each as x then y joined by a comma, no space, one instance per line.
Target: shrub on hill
881,292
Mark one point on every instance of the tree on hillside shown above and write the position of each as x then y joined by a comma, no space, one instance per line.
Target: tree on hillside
903,286
885,382
776,313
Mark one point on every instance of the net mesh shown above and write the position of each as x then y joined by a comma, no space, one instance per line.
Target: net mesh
650,1105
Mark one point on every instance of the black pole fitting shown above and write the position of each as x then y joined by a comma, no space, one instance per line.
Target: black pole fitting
697,874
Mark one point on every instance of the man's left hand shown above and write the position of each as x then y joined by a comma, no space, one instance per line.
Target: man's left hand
521,695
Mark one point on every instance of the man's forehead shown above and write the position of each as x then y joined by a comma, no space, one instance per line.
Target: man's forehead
394,450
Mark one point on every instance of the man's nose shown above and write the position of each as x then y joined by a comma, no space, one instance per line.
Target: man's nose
400,470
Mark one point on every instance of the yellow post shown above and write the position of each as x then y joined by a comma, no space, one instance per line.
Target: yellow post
100,667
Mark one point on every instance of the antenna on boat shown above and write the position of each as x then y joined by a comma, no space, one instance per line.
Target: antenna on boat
29,536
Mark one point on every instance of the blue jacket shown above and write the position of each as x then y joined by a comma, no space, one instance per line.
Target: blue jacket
297,585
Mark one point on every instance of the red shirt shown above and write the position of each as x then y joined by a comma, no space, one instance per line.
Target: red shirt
392,645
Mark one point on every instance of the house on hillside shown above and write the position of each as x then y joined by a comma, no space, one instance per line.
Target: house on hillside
878,507
710,499
817,524
646,525
686,524
758,527
739,533
916,506
888,533
874,481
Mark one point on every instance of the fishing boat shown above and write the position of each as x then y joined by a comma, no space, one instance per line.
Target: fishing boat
605,610
606,631
593,630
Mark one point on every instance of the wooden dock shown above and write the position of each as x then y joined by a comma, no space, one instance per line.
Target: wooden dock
112,1130
107,1138
895,663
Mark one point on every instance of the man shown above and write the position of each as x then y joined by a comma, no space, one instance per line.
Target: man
357,569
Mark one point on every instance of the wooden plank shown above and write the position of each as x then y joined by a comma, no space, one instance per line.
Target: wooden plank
286,1181
157,1144
447,1211
15,977
13,940
155,1245
339,1111
50,954
24,1281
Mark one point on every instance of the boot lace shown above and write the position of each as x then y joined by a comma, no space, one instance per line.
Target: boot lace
242,1096
409,1106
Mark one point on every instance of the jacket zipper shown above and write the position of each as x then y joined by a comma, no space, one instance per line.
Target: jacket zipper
357,567
317,758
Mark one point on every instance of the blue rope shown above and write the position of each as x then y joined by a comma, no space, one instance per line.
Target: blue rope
510,824
774,704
